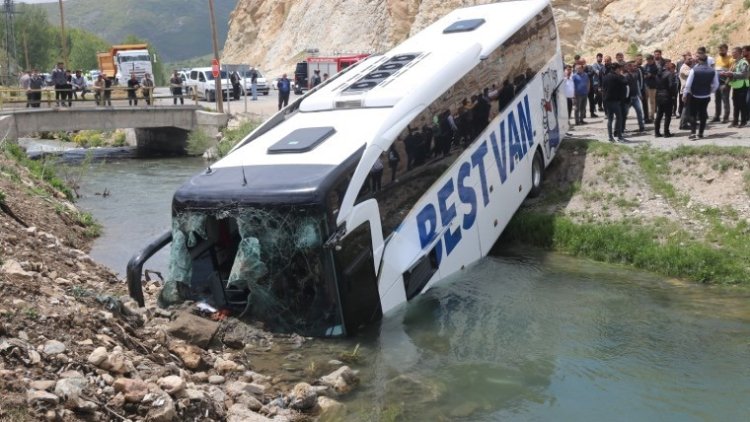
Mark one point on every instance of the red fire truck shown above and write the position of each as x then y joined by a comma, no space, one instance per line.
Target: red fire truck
330,65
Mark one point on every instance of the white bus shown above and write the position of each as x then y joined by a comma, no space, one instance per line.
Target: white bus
396,173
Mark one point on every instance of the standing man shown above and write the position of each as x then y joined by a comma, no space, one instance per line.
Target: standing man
650,73
147,89
739,80
593,88
24,83
666,87
615,94
59,81
599,70
635,83
701,83
36,82
133,86
284,86
315,80
99,86
234,78
254,83
724,64
175,84
582,86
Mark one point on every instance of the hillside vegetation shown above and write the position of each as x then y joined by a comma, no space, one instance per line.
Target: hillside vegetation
178,29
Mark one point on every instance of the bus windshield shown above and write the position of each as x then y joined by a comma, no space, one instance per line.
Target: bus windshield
270,264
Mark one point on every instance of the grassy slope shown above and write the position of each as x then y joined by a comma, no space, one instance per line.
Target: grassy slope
710,244
179,29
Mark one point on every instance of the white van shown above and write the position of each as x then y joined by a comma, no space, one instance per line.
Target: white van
201,82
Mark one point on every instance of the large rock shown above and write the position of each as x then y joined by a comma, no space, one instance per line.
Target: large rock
53,347
172,384
134,390
236,388
193,329
303,397
190,355
38,399
12,267
162,409
341,380
240,413
70,389
331,410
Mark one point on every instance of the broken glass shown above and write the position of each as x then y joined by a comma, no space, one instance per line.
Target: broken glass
267,262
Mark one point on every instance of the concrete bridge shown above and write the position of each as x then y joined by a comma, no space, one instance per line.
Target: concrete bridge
159,130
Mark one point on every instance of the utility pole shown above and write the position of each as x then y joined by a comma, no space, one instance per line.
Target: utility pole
218,89
9,9
62,35
26,51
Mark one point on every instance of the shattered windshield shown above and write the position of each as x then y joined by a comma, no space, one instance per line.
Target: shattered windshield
268,264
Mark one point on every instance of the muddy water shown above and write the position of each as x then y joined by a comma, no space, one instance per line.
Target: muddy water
520,336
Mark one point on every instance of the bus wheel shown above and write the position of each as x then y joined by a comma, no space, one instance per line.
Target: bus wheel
537,175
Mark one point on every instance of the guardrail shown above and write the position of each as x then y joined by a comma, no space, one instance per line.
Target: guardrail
13,98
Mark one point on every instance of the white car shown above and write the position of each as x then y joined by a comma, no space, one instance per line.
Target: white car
201,82
261,85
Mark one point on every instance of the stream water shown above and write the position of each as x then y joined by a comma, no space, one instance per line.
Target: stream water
521,336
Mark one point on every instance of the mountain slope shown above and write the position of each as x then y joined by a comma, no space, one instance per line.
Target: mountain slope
179,29
274,33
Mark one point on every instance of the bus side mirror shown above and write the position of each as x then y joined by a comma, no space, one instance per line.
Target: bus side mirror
369,212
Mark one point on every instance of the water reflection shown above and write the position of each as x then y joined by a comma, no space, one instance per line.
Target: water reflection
545,337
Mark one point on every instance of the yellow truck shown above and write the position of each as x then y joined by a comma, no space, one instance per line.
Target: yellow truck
122,60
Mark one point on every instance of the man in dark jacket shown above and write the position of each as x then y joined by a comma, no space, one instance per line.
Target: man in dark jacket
284,86
615,88
701,83
635,83
650,73
666,87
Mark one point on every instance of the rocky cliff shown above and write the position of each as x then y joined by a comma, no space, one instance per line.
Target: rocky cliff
275,33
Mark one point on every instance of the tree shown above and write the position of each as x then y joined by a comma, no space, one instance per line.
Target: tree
40,38
83,47
160,78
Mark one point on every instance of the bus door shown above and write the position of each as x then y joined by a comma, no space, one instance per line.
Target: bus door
357,258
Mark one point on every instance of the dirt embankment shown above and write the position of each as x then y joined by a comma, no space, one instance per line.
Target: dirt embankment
74,347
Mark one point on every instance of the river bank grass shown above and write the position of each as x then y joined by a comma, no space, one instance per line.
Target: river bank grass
603,215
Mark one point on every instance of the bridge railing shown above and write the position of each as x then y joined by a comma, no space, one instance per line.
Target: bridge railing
15,98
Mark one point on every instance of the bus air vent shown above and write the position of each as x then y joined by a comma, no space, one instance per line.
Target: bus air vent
301,140
381,73
467,25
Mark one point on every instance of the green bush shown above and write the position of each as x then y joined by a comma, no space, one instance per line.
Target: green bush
233,136
118,139
198,142
89,138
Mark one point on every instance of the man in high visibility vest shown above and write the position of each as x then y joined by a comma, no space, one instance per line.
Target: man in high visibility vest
739,80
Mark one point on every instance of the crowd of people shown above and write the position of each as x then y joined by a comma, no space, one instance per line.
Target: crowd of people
68,85
657,89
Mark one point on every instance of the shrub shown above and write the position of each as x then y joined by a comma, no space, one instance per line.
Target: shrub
89,138
118,139
198,142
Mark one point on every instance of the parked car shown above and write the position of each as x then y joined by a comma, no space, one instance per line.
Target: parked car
202,82
261,83
185,76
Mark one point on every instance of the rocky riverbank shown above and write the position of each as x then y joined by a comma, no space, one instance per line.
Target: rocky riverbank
73,346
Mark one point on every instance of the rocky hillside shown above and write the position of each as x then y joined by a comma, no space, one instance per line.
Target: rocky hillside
275,33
